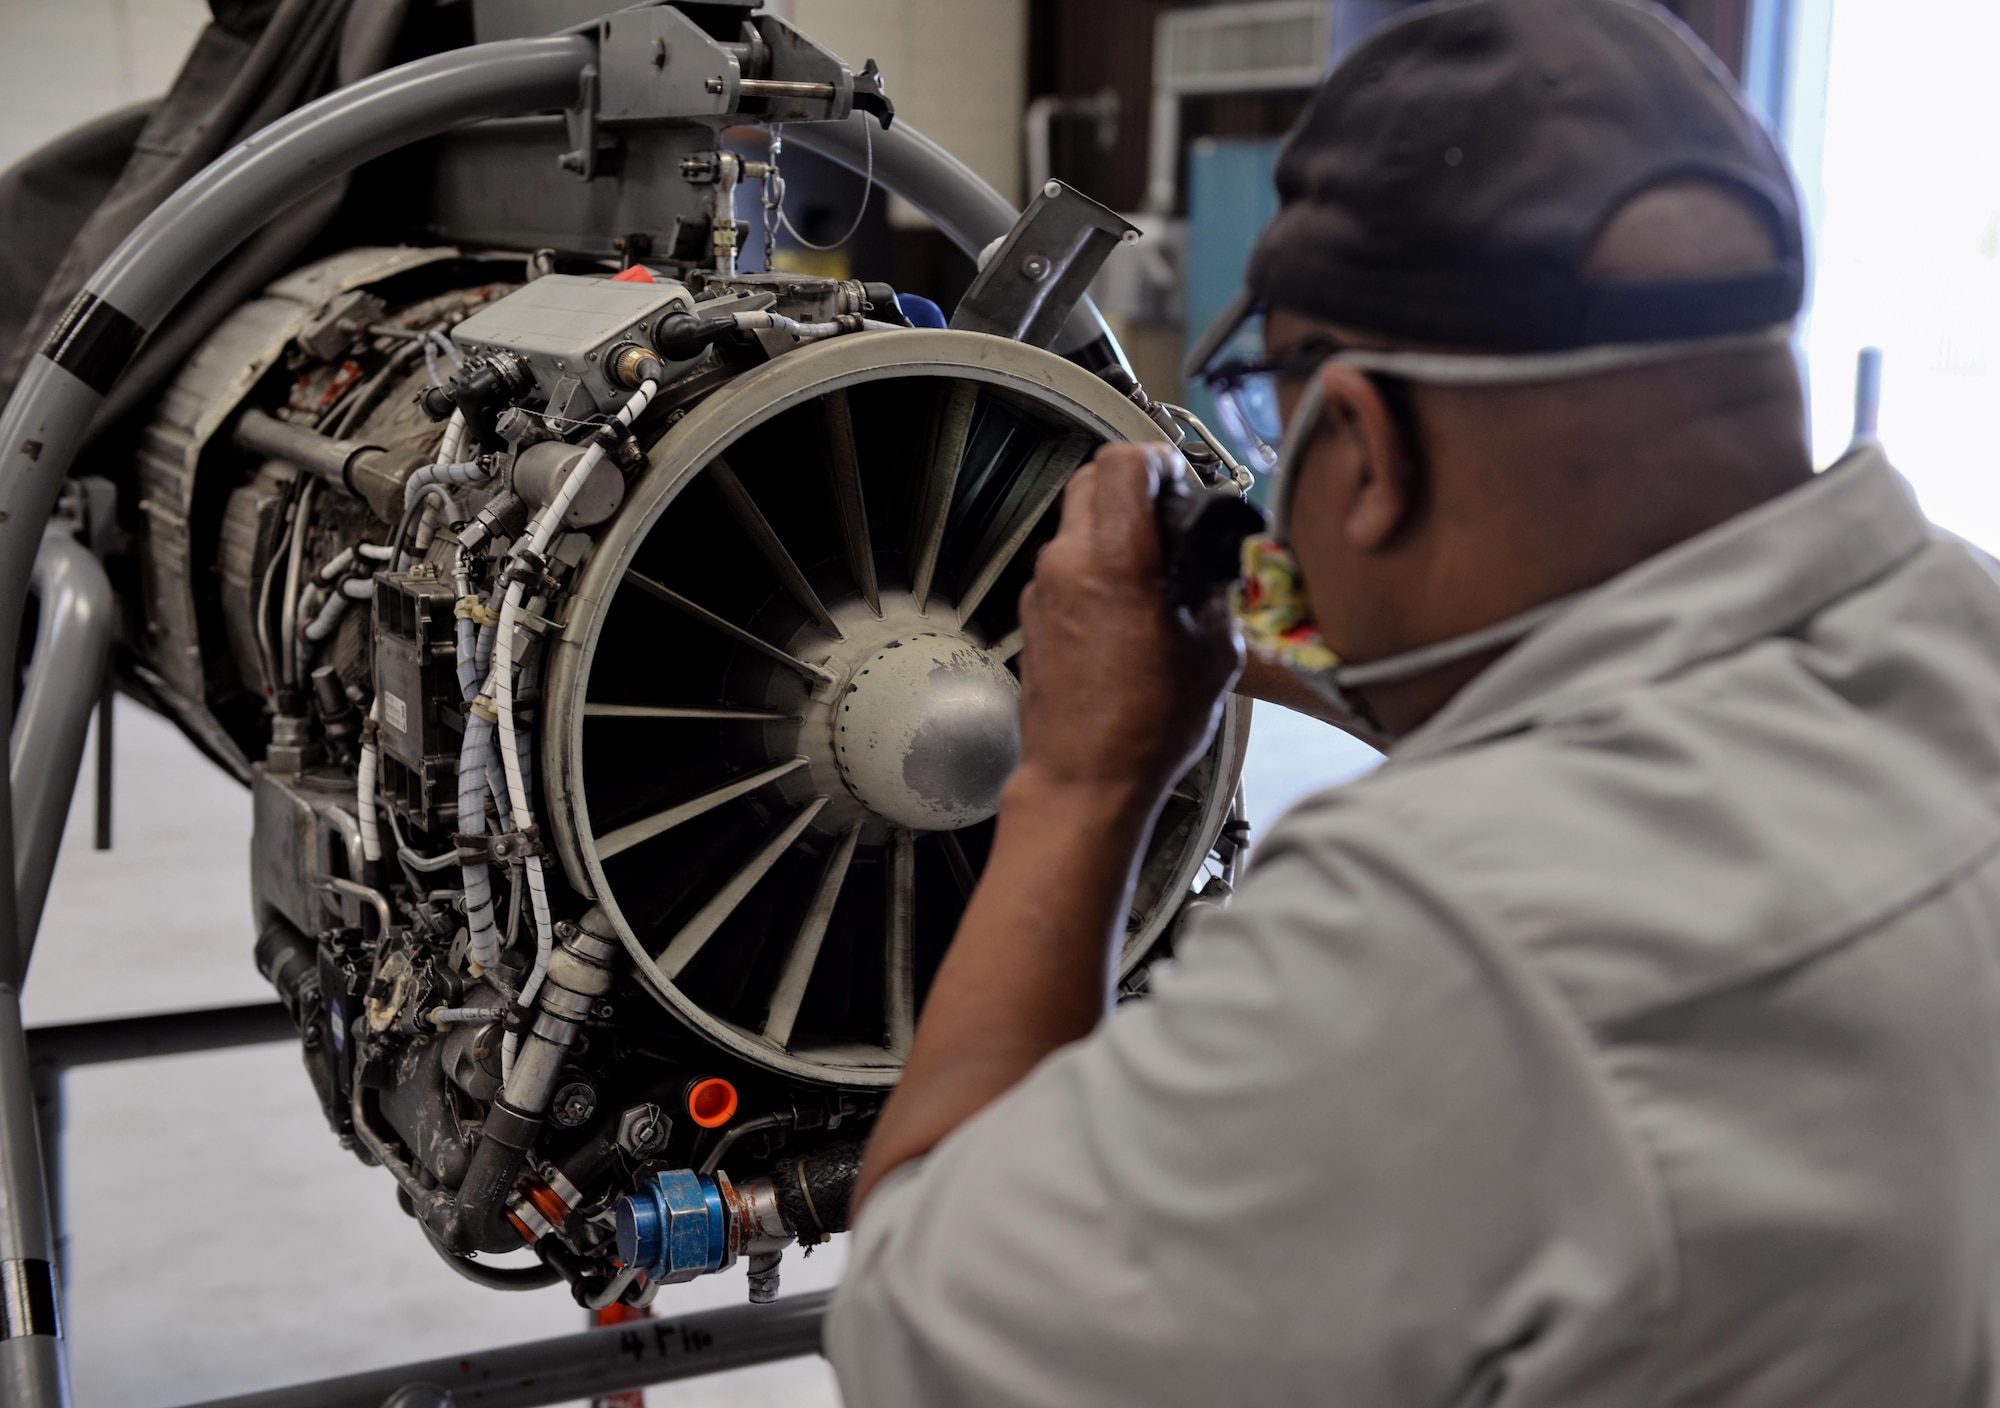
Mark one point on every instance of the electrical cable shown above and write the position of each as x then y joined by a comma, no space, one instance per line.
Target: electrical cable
365,782
294,565
266,655
495,1278
527,559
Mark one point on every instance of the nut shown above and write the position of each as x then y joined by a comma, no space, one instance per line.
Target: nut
643,1130
668,1230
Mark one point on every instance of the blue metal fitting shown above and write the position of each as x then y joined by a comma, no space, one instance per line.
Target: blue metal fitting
674,1228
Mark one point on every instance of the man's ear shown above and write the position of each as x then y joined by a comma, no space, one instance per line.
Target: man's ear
1358,459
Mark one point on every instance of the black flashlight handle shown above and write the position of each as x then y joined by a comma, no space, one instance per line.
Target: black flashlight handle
1201,539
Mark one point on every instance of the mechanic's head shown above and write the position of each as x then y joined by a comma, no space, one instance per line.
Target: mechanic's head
1569,202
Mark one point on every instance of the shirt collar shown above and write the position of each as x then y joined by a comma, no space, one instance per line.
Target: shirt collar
1757,574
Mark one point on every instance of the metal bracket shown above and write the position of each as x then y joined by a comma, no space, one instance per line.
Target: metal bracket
581,121
1026,290
501,848
870,97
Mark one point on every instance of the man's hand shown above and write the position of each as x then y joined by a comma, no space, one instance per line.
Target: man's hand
1117,690
1118,695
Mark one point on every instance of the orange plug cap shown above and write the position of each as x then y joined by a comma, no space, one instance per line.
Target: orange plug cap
711,1102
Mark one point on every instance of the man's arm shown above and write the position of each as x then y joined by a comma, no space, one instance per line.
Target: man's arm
1349,1150
1271,683
1118,696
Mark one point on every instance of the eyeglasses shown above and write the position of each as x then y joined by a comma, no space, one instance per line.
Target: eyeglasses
1246,395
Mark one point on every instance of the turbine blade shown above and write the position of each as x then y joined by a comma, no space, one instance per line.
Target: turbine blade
677,711
812,673
961,868
626,837
899,969
680,951
1039,486
934,502
798,970
765,538
844,467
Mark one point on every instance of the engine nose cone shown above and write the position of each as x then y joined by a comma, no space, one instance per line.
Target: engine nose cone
928,732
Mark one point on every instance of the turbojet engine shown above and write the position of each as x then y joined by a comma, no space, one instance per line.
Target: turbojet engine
621,652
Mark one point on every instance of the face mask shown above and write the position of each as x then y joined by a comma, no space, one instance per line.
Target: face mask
1271,605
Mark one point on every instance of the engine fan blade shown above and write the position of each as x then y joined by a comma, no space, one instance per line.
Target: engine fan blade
798,969
680,951
626,837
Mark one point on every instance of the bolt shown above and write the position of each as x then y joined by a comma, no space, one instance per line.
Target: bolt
574,1103
1035,267
659,52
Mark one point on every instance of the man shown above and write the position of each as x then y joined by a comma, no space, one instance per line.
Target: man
1632,1036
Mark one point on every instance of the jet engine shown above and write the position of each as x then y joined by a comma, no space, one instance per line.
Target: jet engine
621,653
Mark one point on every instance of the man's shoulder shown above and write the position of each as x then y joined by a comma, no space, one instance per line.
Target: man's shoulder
1673,840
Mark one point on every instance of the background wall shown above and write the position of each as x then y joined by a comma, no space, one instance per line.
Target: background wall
953,68
1908,246
62,61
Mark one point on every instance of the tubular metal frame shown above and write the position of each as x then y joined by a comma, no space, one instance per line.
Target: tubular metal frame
41,430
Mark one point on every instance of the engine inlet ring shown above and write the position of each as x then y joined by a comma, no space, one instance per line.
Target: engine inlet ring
836,537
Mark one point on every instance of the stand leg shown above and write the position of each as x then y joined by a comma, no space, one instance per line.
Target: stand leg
32,1371
50,1117
101,831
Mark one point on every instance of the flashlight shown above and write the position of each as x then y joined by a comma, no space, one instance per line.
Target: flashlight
1201,539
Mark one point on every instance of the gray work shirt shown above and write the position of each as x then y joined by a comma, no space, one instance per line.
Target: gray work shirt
1632,1037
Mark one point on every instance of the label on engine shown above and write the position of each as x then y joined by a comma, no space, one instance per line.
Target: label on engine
395,713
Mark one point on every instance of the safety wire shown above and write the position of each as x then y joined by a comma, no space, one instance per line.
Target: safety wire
867,190
527,562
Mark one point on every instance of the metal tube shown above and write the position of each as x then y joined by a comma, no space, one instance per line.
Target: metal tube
295,444
107,704
956,198
65,677
32,1371
587,1365
1867,396
160,1034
